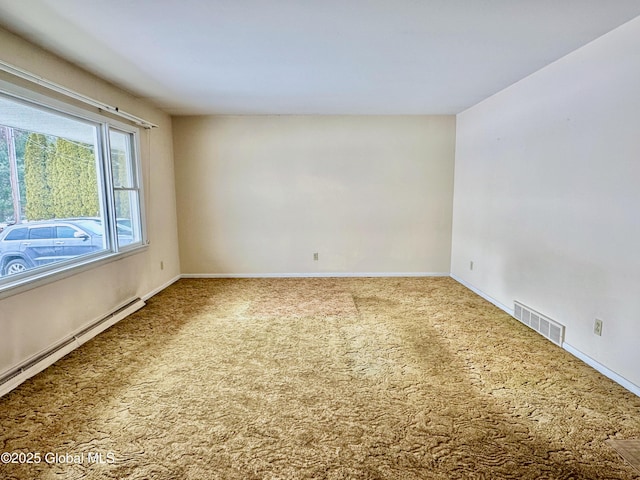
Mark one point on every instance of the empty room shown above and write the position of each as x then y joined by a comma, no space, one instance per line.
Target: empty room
319,240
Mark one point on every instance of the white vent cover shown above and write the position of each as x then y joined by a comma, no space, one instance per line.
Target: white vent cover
541,324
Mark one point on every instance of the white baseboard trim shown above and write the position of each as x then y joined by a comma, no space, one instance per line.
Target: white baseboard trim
98,327
25,374
85,334
37,363
155,291
42,360
315,275
489,299
632,387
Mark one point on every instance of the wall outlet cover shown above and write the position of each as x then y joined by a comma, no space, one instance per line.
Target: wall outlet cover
597,327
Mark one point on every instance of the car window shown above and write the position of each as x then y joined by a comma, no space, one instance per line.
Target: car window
91,226
41,232
17,234
65,232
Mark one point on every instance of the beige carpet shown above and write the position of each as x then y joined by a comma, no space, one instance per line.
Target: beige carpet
319,379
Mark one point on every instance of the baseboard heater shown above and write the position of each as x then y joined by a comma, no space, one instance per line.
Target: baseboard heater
14,377
542,324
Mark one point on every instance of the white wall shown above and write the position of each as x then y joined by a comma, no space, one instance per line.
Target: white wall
32,321
547,197
261,194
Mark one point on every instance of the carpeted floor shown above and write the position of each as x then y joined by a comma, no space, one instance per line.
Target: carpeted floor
391,378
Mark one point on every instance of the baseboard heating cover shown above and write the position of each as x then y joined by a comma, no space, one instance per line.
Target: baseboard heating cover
542,324
17,375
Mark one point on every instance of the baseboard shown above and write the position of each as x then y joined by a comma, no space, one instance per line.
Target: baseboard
37,363
489,299
315,275
21,375
632,387
155,291
98,326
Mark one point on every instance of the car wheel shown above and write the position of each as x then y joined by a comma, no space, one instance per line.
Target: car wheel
15,266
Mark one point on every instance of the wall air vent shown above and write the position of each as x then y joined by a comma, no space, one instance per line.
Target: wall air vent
546,327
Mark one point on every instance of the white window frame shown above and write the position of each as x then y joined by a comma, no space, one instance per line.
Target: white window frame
58,270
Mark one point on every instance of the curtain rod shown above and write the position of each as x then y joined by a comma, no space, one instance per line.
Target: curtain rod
19,72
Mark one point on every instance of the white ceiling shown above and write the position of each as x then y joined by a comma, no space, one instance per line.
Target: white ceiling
314,56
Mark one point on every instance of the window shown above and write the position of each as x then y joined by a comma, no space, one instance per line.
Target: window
125,187
40,233
70,189
17,234
65,232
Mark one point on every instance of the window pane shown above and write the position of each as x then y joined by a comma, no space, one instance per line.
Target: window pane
65,232
49,174
126,193
41,232
17,234
121,162
127,217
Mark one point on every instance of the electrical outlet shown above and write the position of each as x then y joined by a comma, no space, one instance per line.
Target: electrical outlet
471,265
315,257
161,265
597,327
